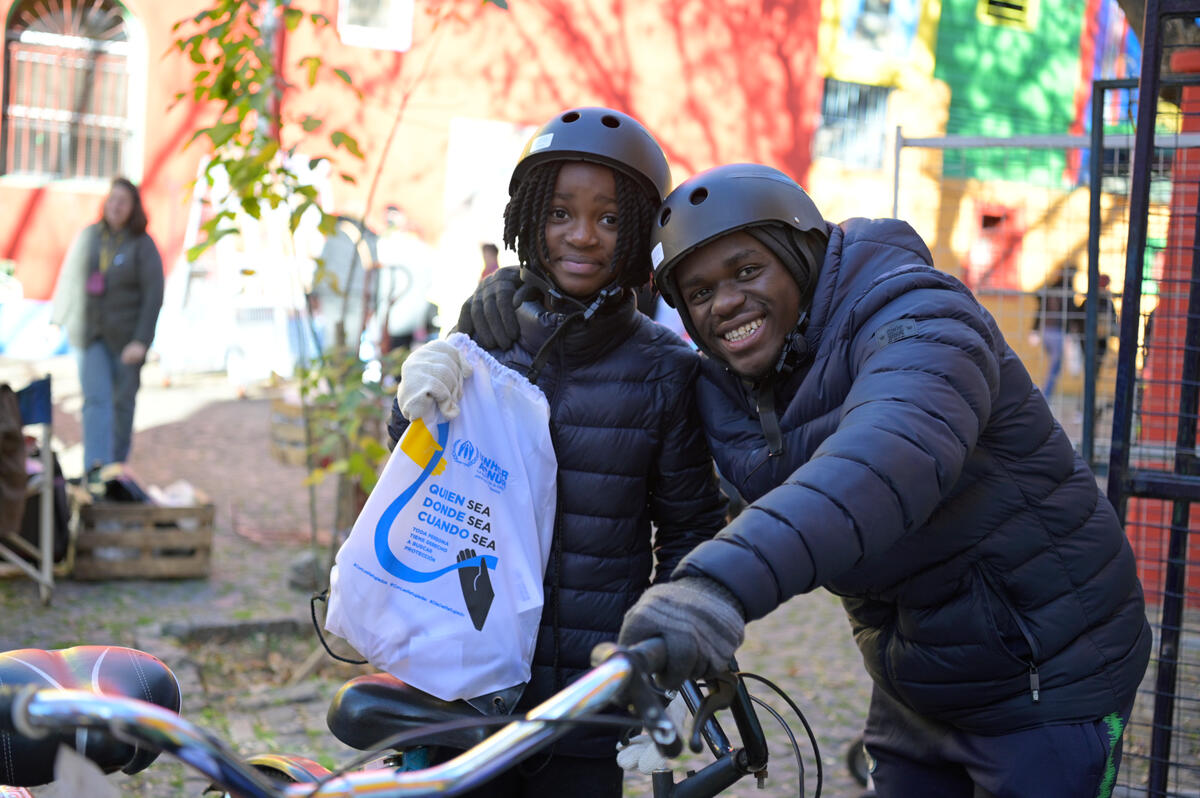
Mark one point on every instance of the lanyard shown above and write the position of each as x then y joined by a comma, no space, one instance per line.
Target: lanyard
109,244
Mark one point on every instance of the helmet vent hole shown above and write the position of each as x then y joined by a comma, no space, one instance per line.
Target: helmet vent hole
698,196
570,116
608,120
664,217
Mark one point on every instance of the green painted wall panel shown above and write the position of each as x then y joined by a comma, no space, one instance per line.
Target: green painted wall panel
1005,81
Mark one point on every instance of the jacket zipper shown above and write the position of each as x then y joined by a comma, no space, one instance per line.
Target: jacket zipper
1034,678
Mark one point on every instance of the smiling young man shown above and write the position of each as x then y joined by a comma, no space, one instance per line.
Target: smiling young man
894,450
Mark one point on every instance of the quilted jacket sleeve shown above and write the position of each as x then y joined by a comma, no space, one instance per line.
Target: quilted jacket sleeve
920,375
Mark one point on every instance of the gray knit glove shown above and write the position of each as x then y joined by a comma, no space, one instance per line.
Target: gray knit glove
699,620
489,315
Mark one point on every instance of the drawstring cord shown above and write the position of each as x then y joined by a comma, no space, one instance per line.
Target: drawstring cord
312,606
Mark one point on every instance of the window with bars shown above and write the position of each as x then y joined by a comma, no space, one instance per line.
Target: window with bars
853,124
66,90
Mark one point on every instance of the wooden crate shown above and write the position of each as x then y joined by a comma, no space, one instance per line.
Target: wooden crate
117,540
287,432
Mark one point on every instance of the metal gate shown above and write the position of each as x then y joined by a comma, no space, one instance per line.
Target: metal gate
1122,202
1154,471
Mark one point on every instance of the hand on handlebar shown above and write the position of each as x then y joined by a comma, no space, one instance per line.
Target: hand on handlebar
641,754
700,622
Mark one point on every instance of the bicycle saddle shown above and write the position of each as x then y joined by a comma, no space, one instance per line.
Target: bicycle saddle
111,670
368,709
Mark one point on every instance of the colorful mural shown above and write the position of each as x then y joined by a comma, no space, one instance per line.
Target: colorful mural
878,42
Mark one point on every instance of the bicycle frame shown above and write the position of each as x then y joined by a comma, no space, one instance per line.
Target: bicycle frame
731,763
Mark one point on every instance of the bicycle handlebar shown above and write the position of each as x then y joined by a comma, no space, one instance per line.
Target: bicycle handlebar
31,711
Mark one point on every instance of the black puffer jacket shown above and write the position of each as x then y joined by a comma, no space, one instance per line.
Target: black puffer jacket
630,454
925,480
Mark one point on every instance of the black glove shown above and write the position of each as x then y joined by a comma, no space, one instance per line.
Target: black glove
489,315
699,620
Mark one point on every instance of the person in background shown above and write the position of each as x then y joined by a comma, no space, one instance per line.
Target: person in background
636,489
1057,314
107,299
1107,324
491,259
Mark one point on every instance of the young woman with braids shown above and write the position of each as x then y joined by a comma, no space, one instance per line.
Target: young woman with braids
631,457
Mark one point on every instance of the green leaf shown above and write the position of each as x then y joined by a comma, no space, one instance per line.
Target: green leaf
351,179
266,154
340,138
311,65
292,17
252,208
296,215
310,123
498,3
344,75
221,133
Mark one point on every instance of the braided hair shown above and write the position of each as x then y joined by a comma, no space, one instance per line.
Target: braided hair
529,207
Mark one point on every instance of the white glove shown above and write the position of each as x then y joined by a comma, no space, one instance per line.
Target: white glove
432,377
640,752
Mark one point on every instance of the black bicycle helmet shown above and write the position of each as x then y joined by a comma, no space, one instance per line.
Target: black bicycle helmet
603,136
723,200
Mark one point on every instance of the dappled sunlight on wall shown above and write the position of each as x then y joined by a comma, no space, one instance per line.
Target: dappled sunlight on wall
713,87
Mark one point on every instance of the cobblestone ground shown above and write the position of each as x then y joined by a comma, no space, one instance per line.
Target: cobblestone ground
198,430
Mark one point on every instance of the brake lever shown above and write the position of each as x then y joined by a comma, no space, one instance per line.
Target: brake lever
722,689
648,705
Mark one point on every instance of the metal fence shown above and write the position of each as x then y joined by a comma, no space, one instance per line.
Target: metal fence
1005,215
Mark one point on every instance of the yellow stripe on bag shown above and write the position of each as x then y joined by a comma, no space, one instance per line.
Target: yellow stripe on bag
420,446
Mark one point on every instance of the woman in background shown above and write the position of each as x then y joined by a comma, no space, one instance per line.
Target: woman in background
109,293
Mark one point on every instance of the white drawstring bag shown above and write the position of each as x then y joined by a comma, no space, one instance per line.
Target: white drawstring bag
440,580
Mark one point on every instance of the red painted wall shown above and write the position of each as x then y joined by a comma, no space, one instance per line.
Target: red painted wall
741,84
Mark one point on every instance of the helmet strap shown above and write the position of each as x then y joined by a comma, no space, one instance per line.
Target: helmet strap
794,354
795,348
764,399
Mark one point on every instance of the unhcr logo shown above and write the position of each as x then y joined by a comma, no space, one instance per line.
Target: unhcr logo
465,452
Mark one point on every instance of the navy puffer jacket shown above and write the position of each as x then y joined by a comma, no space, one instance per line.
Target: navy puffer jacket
925,480
631,454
